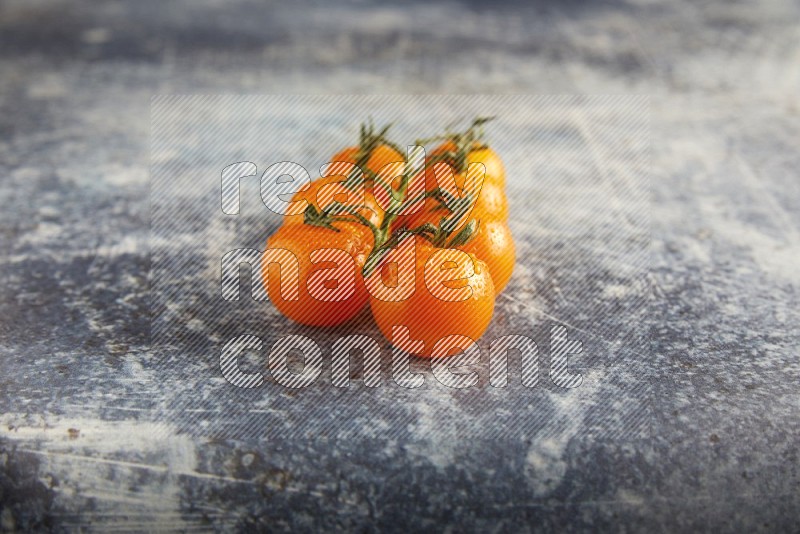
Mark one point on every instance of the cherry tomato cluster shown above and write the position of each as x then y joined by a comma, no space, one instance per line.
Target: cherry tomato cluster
427,245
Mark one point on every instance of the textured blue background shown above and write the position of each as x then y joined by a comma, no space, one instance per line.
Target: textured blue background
76,79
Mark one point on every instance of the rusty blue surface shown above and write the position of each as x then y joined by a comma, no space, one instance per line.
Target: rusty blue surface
84,440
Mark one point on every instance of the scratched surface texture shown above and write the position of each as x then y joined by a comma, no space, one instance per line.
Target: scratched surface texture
688,417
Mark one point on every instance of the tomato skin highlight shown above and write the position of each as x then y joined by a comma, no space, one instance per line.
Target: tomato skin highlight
429,318
303,240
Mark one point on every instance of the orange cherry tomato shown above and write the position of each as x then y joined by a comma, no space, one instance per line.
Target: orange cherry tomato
453,295
362,200
328,284
381,155
493,244
491,202
495,171
491,205
323,192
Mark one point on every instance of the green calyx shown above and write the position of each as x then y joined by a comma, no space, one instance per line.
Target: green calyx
442,236
314,217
